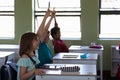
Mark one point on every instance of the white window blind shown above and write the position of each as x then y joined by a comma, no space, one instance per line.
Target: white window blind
109,19
7,30
67,14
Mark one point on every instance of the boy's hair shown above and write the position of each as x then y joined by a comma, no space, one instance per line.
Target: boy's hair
54,30
26,42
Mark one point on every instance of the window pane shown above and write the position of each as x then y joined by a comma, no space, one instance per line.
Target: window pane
70,26
110,26
58,4
110,4
68,16
6,27
6,5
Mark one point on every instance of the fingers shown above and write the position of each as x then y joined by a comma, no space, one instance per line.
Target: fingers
50,12
47,14
49,5
53,13
39,72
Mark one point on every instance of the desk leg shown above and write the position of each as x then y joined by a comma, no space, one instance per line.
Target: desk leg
101,65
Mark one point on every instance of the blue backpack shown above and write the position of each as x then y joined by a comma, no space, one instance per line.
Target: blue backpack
8,71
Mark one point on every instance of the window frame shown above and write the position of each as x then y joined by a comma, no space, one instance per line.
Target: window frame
63,13
108,11
8,12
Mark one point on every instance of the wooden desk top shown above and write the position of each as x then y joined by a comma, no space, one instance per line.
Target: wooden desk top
78,47
76,56
4,54
85,70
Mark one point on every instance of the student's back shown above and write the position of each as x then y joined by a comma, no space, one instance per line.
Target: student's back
44,54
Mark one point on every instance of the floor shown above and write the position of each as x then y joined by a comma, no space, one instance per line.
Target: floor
110,78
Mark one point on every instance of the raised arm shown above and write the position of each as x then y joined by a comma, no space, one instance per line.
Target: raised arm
42,25
43,29
49,22
55,22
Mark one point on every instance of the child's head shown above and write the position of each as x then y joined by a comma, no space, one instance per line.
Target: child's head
55,33
28,42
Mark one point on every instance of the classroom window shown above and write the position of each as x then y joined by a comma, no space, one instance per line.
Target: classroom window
109,19
7,19
68,15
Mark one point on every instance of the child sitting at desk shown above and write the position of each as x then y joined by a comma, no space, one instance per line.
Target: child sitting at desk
26,68
44,53
58,44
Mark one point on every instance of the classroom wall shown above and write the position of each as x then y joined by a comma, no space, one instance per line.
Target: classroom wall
24,21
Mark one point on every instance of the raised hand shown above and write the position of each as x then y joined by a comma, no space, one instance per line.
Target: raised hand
48,12
55,24
53,13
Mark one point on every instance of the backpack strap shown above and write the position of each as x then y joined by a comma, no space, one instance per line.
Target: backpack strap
34,62
13,66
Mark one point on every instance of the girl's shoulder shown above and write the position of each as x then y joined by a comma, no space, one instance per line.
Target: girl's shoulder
23,61
26,61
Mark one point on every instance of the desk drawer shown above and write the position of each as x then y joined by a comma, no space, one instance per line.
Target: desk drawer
59,77
75,61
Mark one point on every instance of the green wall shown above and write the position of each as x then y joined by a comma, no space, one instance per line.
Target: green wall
89,19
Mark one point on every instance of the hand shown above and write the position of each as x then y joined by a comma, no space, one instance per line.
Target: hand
47,14
39,71
53,13
56,24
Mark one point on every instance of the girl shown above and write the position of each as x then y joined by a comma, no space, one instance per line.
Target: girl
44,53
26,69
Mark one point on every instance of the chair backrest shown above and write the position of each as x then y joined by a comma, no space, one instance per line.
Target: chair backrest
8,72
5,72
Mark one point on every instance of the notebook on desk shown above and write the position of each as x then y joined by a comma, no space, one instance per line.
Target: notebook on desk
70,56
